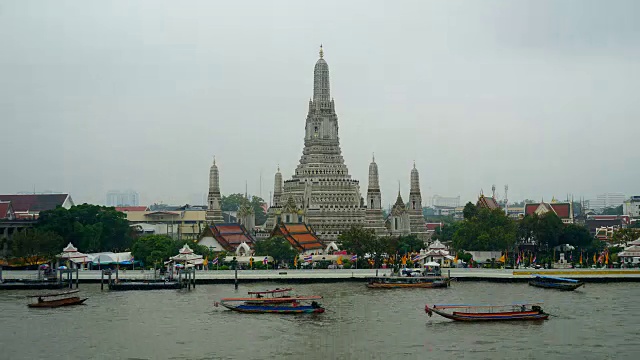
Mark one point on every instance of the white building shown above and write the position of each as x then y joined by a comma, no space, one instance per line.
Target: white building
606,200
631,207
445,201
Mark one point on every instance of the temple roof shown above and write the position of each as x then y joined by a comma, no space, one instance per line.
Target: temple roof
300,236
563,210
231,235
35,202
487,202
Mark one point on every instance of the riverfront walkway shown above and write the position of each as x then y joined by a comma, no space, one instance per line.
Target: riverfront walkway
334,275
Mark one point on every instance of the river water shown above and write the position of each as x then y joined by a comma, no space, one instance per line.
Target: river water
598,321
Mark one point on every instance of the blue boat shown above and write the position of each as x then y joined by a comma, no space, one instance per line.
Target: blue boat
558,283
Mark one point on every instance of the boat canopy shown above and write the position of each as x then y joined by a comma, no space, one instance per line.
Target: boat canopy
443,306
269,291
557,278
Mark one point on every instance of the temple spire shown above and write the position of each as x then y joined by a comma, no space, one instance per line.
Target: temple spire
321,91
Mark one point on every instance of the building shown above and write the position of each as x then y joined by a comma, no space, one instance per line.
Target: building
444,201
487,202
599,224
123,198
631,207
226,237
179,224
606,200
399,221
214,199
300,236
29,206
324,193
564,210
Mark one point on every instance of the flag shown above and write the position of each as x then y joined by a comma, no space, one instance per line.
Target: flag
580,258
404,259
501,258
204,263
607,258
455,261
339,261
530,258
594,258
265,260
416,258
215,261
308,258
295,261
534,260
251,261
354,258
518,260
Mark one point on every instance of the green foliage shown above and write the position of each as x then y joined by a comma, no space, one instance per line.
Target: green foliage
276,247
360,241
234,201
576,235
407,244
626,235
153,249
612,210
484,230
446,232
32,243
545,230
91,228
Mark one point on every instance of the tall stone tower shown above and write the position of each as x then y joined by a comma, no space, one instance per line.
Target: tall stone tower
277,188
418,224
374,217
321,187
214,210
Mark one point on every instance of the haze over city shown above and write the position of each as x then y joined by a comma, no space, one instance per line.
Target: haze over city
540,95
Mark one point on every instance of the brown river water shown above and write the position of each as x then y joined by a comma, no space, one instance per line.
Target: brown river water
599,321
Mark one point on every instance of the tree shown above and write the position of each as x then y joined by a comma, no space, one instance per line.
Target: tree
32,244
257,203
487,230
625,236
469,211
547,230
446,232
153,249
233,202
357,240
612,210
91,228
576,235
409,243
277,247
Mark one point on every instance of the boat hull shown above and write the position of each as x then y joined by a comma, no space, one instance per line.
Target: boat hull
257,309
58,303
497,316
556,286
408,282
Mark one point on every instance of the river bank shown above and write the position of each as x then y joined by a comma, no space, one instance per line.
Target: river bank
355,275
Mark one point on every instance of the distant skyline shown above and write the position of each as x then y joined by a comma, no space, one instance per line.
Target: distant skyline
540,95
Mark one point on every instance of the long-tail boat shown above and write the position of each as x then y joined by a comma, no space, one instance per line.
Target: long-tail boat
278,301
512,312
558,283
68,301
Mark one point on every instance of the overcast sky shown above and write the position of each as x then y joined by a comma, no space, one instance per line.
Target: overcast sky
539,95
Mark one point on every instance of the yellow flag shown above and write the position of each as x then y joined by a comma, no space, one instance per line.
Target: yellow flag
455,261
339,261
295,261
501,258
580,258
205,262
404,259
606,259
251,261
594,258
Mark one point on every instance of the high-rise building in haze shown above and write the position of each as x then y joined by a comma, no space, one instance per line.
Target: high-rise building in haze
606,200
123,198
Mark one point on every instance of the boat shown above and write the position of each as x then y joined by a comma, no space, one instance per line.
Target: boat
278,301
68,301
511,312
430,277
552,282
396,282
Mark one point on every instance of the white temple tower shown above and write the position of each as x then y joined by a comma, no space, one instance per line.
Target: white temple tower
214,200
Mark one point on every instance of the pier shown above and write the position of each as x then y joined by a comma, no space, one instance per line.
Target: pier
139,280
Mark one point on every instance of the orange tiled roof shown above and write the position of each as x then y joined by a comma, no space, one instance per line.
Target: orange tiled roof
231,235
300,236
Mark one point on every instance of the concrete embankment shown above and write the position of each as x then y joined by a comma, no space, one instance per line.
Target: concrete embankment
356,275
